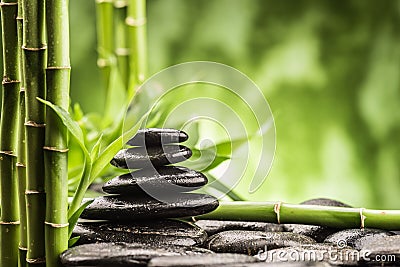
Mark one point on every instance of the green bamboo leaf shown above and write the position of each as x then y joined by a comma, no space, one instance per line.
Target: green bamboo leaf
72,126
96,149
215,183
72,241
74,218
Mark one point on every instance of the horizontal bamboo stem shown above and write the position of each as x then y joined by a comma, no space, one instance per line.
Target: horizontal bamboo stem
278,212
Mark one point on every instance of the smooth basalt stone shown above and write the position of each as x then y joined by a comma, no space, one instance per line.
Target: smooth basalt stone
151,233
201,260
156,137
319,233
118,208
351,237
142,157
215,226
312,253
384,251
251,242
166,178
121,254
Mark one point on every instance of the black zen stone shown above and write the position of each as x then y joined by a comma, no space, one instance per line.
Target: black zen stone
156,137
156,180
319,233
352,237
218,259
385,249
121,254
251,242
122,208
154,233
142,157
214,226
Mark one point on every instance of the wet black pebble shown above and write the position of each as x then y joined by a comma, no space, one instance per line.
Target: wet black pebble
214,226
168,178
203,260
352,237
142,157
123,208
319,233
384,251
151,233
251,242
121,254
156,137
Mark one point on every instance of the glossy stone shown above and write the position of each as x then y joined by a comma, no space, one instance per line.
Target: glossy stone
251,242
154,233
121,254
156,137
201,260
214,226
166,178
319,233
142,157
117,208
351,237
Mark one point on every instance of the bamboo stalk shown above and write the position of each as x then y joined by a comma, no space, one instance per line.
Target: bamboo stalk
105,38
34,55
56,143
9,225
136,22
278,212
121,41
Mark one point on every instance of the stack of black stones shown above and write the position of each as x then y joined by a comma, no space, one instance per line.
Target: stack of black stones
132,226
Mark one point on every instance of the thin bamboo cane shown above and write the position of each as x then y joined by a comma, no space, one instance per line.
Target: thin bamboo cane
9,224
121,41
34,55
136,22
278,212
56,145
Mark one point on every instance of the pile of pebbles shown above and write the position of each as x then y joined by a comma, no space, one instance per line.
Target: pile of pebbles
137,223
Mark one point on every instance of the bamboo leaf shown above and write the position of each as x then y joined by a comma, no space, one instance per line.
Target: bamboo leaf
72,126
72,241
74,218
220,186
96,149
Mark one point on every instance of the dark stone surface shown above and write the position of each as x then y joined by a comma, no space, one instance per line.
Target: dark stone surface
280,264
214,226
122,208
351,237
142,157
156,137
203,260
319,233
151,233
168,178
121,254
251,242
312,253
384,251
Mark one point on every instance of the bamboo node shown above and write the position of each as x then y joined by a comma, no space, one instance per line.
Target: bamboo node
57,225
362,217
55,149
22,248
44,47
120,3
135,22
102,63
59,68
9,4
22,89
33,192
20,164
36,261
10,223
34,124
122,51
8,153
7,80
277,210
104,1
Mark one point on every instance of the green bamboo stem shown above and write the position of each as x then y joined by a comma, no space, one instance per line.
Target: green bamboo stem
56,144
121,42
21,164
105,38
9,225
278,212
136,22
34,55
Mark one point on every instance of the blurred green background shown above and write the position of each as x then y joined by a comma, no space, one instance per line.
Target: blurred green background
330,71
